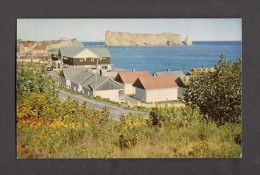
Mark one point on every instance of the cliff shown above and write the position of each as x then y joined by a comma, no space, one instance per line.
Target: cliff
54,43
134,39
64,43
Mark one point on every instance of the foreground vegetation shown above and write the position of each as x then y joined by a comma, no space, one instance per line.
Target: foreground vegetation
50,128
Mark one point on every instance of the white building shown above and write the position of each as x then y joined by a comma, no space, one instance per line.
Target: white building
156,88
128,78
79,80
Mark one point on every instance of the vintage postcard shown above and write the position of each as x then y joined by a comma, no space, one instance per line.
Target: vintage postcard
129,88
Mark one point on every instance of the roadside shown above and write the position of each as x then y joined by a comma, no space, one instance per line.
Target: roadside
116,112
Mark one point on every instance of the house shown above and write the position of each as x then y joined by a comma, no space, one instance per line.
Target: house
67,74
40,50
156,88
128,78
94,58
174,74
24,48
104,87
79,80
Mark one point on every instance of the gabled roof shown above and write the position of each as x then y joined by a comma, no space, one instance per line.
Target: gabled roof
40,47
25,44
100,51
81,76
70,72
131,76
79,52
90,82
173,74
70,51
53,51
155,82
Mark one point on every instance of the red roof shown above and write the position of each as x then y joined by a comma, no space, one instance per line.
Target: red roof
25,44
155,82
40,47
130,77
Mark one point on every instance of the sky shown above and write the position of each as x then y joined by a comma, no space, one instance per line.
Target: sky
199,29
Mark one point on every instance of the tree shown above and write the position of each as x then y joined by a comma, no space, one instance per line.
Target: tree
217,93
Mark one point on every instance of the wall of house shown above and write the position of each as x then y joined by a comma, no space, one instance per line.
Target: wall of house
111,94
158,95
63,82
85,61
68,84
129,89
87,91
140,94
75,87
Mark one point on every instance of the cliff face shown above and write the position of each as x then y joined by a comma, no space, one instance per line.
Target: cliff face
65,43
54,43
132,39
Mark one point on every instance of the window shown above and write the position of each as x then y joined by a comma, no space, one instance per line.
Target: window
92,59
81,60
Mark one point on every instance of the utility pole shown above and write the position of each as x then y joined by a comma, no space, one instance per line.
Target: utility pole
96,79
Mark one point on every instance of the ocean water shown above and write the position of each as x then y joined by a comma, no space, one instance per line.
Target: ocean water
161,58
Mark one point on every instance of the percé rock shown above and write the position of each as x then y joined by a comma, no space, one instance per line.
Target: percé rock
134,39
188,41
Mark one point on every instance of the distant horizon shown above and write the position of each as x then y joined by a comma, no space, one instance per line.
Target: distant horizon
199,29
105,41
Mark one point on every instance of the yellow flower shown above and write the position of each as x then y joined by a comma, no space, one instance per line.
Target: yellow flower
86,125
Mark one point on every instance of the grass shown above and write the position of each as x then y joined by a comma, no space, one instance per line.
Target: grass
131,137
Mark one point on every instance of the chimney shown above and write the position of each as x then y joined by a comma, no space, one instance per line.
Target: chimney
133,70
168,70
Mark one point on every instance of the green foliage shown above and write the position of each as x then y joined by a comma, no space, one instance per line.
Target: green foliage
30,80
217,93
132,129
174,116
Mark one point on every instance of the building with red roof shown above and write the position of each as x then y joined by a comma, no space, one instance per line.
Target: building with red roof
156,88
128,78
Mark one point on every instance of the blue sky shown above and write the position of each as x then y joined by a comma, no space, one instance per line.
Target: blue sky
228,29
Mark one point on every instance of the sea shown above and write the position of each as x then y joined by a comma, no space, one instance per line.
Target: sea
161,58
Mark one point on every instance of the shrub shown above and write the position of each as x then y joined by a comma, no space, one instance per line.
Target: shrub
133,129
217,93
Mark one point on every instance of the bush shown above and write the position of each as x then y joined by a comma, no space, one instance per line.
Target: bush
217,93
132,129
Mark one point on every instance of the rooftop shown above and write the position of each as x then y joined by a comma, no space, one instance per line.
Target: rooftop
70,72
131,76
40,47
79,52
155,82
173,74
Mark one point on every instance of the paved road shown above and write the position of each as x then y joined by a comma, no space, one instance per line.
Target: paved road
116,112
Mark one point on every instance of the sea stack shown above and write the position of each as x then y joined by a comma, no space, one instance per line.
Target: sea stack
188,41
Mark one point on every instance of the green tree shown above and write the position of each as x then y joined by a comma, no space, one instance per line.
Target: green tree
217,93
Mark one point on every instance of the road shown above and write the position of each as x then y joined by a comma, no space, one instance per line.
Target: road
115,111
